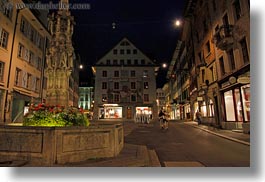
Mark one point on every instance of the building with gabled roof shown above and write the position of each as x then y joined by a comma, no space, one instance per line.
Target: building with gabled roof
125,85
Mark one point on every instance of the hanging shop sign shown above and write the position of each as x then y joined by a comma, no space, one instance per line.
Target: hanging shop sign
243,80
199,99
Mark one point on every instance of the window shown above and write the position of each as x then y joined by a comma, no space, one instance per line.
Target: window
122,62
18,76
3,38
237,9
222,66
37,84
212,73
39,61
31,58
244,49
203,76
145,73
129,62
136,62
116,85
133,98
229,106
129,51
29,77
133,74
2,68
214,5
146,98
142,62
205,26
116,98
146,85
115,51
8,11
104,86
232,60
208,47
116,74
133,85
115,62
23,26
20,50
104,74
135,51
108,62
104,98
122,51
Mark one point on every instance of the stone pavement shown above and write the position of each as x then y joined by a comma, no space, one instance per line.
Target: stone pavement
141,156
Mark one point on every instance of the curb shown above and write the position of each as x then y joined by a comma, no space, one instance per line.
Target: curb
220,135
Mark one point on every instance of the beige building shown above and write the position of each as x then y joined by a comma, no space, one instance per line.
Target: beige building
215,55
125,85
23,38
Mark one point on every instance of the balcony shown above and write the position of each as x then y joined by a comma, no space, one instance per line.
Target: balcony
223,37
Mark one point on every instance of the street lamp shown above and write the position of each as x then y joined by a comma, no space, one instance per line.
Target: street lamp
177,23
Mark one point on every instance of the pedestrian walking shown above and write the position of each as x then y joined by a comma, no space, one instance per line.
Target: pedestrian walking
198,117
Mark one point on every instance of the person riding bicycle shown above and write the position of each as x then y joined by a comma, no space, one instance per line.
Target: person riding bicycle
162,117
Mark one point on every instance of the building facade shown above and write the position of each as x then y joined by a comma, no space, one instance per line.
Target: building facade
125,82
23,38
62,64
86,98
215,55
160,99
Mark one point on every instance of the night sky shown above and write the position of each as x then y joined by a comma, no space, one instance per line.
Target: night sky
148,24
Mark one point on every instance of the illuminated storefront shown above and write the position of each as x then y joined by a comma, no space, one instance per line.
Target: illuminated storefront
110,111
237,104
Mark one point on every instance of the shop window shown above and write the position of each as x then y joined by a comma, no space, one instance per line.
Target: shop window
204,109
238,104
229,106
245,90
211,108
